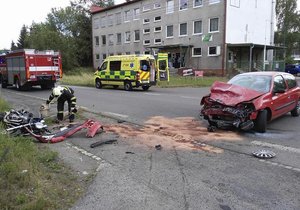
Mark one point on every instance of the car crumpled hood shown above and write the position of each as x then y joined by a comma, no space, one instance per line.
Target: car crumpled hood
231,95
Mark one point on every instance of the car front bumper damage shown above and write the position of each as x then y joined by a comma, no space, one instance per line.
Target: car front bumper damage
225,116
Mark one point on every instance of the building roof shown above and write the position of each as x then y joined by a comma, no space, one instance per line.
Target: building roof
268,47
95,9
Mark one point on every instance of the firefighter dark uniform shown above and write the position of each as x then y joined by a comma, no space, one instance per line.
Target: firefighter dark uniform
63,94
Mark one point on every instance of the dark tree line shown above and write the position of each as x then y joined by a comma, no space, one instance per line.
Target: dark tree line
288,28
68,30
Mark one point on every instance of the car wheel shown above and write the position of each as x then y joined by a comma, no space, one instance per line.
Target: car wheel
98,84
127,86
296,111
261,121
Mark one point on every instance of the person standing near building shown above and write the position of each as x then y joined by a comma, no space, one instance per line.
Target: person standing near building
63,94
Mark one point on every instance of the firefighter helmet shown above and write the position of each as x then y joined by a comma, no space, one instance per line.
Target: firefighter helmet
57,91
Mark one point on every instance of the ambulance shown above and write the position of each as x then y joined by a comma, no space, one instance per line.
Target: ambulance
128,71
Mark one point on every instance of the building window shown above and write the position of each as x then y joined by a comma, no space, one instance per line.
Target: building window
183,4
110,21
96,23
127,16
197,27
146,21
127,36
136,13
169,31
198,3
235,3
119,38
157,5
146,42
147,7
147,31
170,6
157,29
213,25
110,39
157,41
103,22
137,35
214,51
214,1
157,18
97,56
197,52
127,53
183,29
97,40
118,18
103,37
103,56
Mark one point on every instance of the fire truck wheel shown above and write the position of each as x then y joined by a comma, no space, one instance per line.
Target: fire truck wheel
98,83
3,83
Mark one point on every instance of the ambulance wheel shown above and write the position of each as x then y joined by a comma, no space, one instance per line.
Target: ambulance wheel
98,84
145,87
127,85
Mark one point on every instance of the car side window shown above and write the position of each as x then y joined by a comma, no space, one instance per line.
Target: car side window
104,66
115,65
291,81
279,84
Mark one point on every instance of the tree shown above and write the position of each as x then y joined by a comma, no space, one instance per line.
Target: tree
13,46
288,19
21,41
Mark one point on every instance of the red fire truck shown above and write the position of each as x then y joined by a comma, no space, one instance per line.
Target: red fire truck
28,67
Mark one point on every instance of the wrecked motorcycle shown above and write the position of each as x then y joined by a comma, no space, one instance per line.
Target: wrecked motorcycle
93,127
19,122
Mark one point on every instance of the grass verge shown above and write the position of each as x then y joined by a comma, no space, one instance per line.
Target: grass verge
85,77
32,176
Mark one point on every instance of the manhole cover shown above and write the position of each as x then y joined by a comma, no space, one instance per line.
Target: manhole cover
264,154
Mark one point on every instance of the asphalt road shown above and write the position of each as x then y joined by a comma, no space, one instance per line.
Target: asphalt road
193,170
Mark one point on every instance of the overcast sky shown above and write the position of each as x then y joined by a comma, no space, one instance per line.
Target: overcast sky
15,14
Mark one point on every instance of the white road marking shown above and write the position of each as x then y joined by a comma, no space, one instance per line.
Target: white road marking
280,165
276,146
153,94
102,163
116,114
190,97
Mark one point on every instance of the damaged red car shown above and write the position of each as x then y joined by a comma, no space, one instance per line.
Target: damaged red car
250,100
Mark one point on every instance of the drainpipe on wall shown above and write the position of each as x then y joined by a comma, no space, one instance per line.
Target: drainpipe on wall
224,54
250,59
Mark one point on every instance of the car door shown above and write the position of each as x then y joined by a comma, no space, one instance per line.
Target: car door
281,99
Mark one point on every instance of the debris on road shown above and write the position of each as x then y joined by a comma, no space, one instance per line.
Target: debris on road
99,143
264,154
158,147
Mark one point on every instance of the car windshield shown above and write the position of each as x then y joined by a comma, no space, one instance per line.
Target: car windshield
260,83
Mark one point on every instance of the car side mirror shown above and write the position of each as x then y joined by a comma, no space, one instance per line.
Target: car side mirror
98,68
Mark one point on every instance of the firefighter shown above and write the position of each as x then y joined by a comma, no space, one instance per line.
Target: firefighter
63,94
